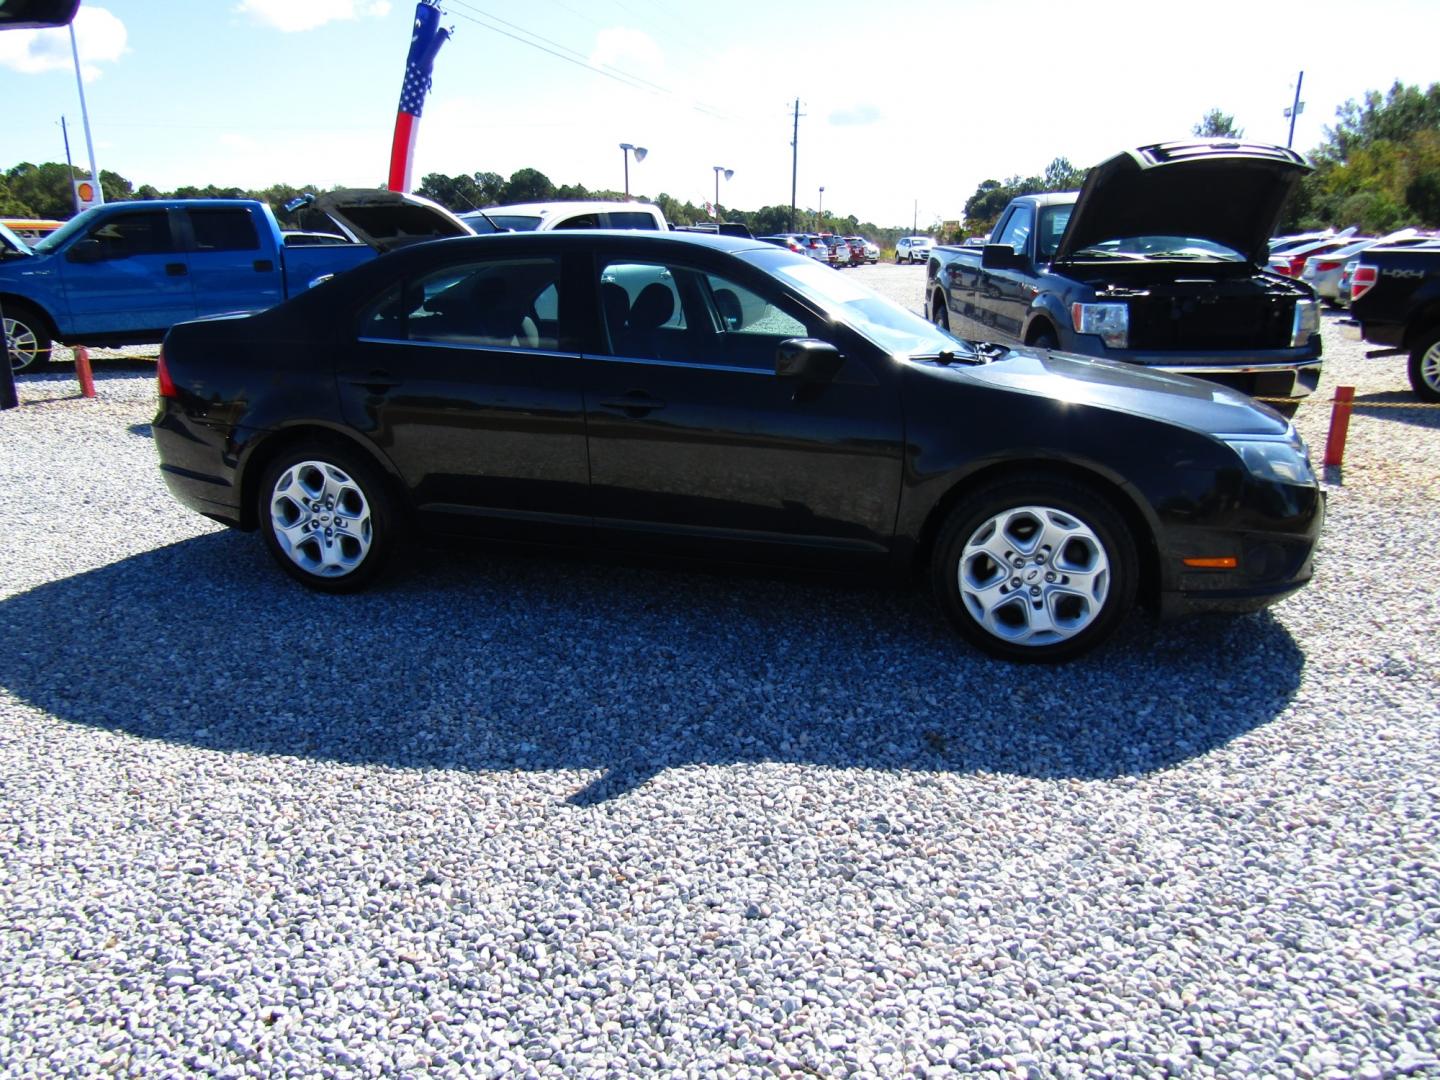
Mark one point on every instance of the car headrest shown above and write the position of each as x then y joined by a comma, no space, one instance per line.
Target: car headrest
653,307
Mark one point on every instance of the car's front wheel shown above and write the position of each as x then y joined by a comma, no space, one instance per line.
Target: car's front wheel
326,517
938,315
1425,367
1035,569
27,339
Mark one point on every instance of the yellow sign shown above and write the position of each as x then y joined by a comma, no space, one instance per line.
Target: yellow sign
85,194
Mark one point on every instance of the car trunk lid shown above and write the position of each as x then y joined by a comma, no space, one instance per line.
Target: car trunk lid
386,220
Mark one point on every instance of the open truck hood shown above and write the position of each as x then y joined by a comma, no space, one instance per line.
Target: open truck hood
1215,189
386,220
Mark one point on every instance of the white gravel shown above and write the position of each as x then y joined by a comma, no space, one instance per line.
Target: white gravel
547,817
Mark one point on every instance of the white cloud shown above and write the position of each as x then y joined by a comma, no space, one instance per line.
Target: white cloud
633,51
295,15
100,38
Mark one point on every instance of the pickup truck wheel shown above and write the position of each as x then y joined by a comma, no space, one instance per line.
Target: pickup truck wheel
1045,339
1425,367
939,316
326,517
27,339
1035,569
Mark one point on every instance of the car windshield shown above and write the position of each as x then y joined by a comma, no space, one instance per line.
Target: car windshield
61,236
890,326
516,222
1163,247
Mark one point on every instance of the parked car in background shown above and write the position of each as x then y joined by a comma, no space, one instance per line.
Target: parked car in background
608,389
575,214
909,249
1280,244
869,252
788,242
841,254
1291,263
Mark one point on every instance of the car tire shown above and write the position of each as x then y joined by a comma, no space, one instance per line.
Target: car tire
938,315
326,517
1425,367
27,337
1067,546
1044,339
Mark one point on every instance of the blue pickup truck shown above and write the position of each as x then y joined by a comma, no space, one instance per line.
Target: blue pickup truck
124,273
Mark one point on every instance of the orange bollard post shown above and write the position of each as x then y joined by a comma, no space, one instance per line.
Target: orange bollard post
1339,425
83,373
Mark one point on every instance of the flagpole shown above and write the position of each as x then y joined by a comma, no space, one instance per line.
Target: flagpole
85,117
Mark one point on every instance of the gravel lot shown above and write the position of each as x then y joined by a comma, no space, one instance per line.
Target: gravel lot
545,816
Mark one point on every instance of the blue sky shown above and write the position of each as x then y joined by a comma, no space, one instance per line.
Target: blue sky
908,106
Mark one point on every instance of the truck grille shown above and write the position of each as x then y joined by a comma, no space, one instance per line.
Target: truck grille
1223,322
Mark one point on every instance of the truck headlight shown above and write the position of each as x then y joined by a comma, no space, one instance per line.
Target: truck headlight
1279,462
1306,322
1110,321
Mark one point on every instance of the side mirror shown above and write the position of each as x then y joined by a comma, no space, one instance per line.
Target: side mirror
807,359
1003,257
85,251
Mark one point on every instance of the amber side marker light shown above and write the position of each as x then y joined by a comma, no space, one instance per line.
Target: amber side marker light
1226,562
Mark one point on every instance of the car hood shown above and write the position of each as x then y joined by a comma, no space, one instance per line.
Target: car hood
1229,192
386,220
1108,384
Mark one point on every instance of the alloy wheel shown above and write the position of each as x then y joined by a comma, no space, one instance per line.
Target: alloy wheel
320,519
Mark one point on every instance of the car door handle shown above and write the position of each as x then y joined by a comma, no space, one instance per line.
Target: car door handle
176,269
635,404
377,382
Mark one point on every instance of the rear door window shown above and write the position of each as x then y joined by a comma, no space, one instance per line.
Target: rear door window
224,230
498,303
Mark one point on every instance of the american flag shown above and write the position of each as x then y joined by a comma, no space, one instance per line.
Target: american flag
425,42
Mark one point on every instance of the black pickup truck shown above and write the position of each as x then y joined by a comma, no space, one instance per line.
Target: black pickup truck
1159,260
1395,302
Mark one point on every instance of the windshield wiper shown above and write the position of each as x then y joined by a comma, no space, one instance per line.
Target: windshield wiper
1099,253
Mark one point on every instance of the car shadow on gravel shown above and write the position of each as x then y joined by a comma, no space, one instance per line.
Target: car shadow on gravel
510,662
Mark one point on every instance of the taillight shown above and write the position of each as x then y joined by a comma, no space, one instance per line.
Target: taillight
162,377
1363,281
1325,267
1297,265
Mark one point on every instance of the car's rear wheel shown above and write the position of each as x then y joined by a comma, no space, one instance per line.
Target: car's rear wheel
326,517
1425,367
27,338
1035,568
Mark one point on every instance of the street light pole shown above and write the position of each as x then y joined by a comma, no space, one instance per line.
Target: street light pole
820,214
626,149
728,174
85,119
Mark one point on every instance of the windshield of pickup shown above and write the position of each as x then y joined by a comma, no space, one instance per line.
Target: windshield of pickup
1163,248
62,235
890,326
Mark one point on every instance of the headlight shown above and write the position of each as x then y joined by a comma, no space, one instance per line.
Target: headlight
1280,462
1110,321
1306,322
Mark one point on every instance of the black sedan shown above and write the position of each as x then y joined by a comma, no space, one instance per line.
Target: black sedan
724,398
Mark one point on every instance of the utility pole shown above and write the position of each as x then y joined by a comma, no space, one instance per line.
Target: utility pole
915,221
794,165
1295,110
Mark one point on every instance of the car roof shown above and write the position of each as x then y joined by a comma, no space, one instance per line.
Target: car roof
541,209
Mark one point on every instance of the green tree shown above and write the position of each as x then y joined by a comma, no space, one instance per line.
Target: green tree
528,185
1218,125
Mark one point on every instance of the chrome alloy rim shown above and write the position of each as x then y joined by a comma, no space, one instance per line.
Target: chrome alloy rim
321,519
1034,575
24,346
1430,367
